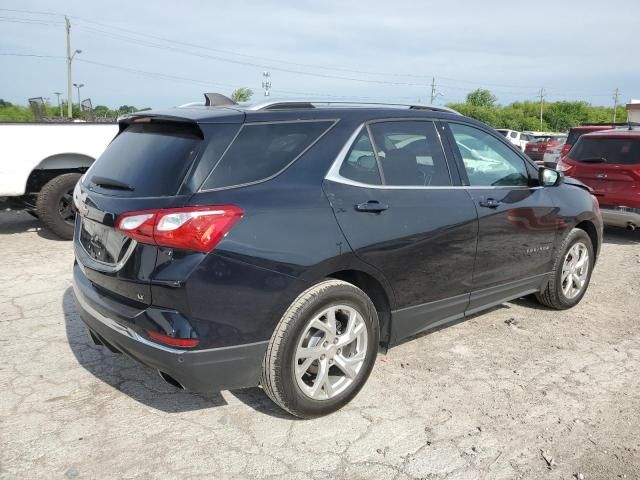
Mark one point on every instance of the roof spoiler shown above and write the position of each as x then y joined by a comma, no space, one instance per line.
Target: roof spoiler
217,100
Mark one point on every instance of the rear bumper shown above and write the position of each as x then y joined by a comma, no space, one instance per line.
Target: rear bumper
621,216
195,370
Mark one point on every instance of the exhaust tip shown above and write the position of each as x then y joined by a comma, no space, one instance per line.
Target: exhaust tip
170,380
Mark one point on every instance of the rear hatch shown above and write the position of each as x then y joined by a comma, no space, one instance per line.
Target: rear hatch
152,164
610,166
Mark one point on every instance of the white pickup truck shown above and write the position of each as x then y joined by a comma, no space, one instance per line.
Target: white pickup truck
40,164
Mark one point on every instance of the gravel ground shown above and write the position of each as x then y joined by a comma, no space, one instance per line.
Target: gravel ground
518,392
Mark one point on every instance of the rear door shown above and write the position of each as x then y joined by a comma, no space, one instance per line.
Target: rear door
149,165
517,220
395,199
611,166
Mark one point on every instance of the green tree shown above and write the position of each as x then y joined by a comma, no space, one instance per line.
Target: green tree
481,98
241,94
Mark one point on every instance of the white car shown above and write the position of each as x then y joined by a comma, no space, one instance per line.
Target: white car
40,164
519,139
552,155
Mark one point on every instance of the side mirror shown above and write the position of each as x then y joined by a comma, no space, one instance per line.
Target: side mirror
549,177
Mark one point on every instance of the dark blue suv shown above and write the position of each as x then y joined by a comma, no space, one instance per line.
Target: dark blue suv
284,244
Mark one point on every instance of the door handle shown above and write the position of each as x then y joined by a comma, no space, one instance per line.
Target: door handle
490,203
372,206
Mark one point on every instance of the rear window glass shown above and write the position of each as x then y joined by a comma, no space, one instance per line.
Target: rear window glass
263,150
147,159
609,150
575,134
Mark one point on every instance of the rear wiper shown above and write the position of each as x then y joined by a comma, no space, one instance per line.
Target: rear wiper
105,182
594,160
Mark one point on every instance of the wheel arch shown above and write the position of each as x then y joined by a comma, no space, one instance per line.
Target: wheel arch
55,165
375,291
590,229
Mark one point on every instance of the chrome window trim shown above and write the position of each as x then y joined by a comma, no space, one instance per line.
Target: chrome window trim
333,174
255,182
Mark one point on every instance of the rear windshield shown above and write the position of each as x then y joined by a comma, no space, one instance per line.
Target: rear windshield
576,133
262,150
610,150
503,132
147,159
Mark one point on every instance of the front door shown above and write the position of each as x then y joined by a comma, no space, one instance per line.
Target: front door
517,220
393,197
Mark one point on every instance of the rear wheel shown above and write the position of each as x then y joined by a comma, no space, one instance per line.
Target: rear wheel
322,351
55,205
571,272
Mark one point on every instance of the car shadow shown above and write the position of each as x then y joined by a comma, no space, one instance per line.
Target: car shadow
141,383
621,236
20,222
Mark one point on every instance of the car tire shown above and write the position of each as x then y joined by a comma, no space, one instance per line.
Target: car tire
54,205
568,273
317,383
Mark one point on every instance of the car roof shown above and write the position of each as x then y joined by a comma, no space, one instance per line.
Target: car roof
614,133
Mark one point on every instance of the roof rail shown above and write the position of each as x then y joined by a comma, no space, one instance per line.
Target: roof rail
293,104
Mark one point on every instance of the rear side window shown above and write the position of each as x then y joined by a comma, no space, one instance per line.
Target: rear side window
262,150
150,159
609,150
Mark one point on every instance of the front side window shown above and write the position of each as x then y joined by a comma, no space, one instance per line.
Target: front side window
410,154
262,150
488,161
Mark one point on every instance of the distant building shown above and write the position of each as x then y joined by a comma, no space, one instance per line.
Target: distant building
633,110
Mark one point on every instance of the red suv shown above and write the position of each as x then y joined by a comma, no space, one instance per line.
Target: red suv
609,162
536,149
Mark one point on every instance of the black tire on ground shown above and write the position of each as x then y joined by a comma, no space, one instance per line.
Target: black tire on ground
54,205
552,296
278,371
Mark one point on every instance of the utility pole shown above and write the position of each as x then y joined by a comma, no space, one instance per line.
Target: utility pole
541,95
57,94
266,83
434,93
616,95
79,86
69,106
69,60
433,89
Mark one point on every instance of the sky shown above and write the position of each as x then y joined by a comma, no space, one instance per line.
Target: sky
161,54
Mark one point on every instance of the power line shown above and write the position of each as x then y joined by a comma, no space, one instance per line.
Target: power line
29,55
264,60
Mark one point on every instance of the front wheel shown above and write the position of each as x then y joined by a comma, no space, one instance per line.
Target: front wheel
322,351
571,272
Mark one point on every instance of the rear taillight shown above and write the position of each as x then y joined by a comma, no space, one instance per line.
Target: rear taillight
565,167
189,228
173,341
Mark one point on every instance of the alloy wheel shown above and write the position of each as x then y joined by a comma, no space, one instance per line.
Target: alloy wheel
575,270
331,352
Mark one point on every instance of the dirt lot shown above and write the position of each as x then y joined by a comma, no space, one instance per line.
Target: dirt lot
488,398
